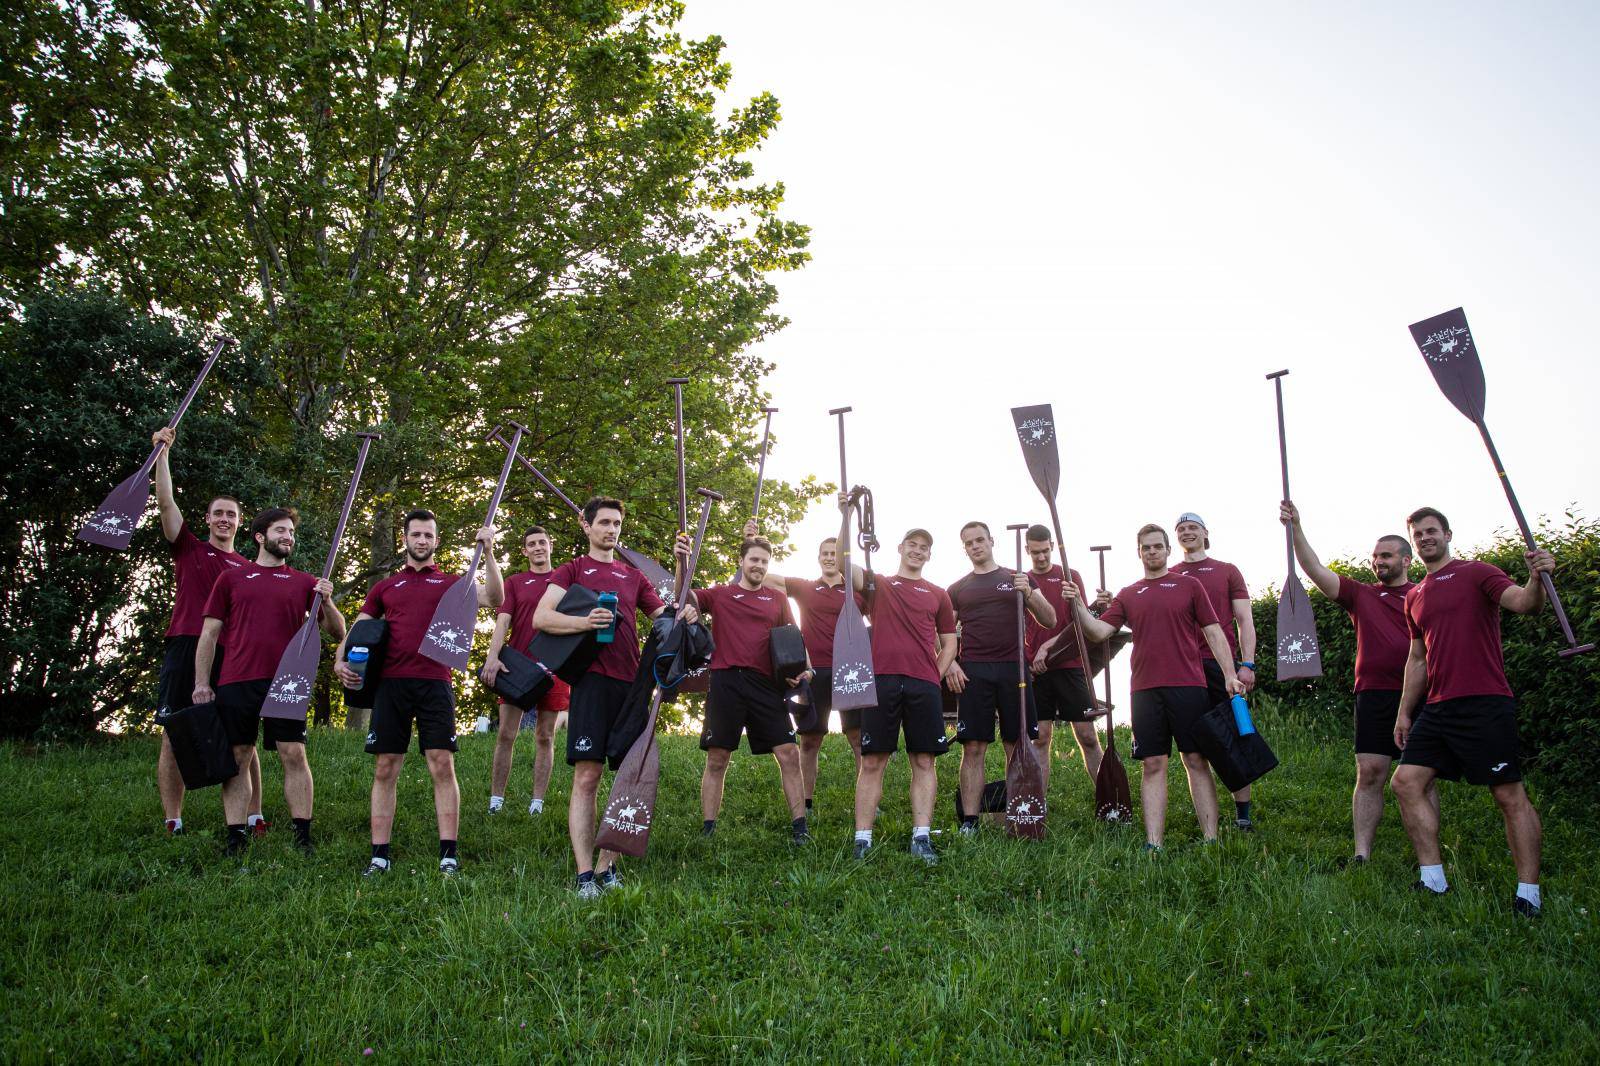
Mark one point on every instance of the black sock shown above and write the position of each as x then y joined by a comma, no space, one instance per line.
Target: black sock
447,849
808,805
381,851
1242,809
586,877
969,820
711,823
302,830
241,830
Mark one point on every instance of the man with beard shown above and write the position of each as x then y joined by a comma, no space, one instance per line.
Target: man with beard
1061,692
598,698
985,677
514,622
1457,714
196,564
1230,600
744,696
415,689
1378,612
1171,617
911,617
254,611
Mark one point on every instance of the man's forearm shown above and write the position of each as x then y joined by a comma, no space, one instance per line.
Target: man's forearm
1091,627
205,653
947,652
1219,646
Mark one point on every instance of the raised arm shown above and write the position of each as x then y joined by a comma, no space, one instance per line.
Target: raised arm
1037,605
330,617
1529,596
171,517
1326,580
492,593
1094,630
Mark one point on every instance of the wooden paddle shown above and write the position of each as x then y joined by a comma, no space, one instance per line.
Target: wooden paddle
855,684
448,640
630,809
1299,654
1113,801
761,474
1446,343
119,514
1026,804
289,695
700,680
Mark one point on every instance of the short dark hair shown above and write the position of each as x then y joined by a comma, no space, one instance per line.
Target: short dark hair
265,520
827,541
981,525
1405,545
223,496
1151,527
1038,533
1427,512
531,530
597,503
420,514
755,542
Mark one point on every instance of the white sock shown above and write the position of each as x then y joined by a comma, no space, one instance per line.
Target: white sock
863,836
920,831
1529,893
1433,877
174,824
253,819
496,802
536,806
381,862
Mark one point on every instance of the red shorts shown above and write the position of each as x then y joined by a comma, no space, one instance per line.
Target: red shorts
555,701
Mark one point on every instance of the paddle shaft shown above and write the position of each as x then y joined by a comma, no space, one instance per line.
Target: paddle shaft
761,469
494,501
1111,737
188,397
844,487
1022,640
344,516
683,484
1066,576
680,588
1283,463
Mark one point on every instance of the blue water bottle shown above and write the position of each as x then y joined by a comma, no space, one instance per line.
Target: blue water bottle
1241,716
608,600
356,660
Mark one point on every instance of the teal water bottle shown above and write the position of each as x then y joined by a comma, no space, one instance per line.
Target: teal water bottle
1241,716
356,660
608,600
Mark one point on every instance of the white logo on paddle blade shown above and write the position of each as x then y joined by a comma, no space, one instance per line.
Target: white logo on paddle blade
448,637
1442,346
852,677
1297,647
289,688
114,523
1036,432
1025,810
628,815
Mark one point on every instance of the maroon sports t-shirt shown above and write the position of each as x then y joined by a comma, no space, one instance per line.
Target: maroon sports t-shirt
523,593
1166,615
1383,640
197,564
820,604
908,617
406,599
1050,584
1223,584
1455,612
620,658
261,609
987,607
741,624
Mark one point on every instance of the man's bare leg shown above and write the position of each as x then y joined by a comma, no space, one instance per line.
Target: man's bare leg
169,781
810,749
544,755
385,774
972,774
505,748
1153,795
582,812
1203,791
711,782
787,757
1041,748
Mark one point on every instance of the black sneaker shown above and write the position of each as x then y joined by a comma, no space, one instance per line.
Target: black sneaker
1244,825
1422,886
708,830
922,848
609,880
376,868
1524,907
861,848
238,844
800,835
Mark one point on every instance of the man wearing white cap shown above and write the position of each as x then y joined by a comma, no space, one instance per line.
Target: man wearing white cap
1230,599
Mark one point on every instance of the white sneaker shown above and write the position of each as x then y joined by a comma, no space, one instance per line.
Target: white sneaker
449,867
588,890
535,808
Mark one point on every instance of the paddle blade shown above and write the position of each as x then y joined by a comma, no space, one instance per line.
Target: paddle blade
448,640
1025,798
1113,802
113,522
1036,430
653,572
1299,654
625,825
1445,341
854,683
290,693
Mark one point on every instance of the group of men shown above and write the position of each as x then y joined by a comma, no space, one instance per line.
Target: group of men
1430,688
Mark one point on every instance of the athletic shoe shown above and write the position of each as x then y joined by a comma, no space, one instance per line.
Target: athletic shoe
449,867
708,830
922,848
260,828
493,810
375,868
969,829
1153,849
1422,886
862,847
588,890
1523,907
800,836
173,828
1350,862
236,845
609,880
1244,825
1209,841
535,812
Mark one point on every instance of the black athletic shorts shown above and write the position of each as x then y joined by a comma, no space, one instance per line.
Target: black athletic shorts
821,689
1473,737
176,689
907,703
991,688
1216,687
399,702
592,713
1162,715
745,701
1375,714
1063,696
239,707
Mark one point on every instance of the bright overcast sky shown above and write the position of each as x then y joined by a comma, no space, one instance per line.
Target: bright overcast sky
1136,211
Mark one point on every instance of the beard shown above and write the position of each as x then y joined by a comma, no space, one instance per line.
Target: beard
419,558
280,550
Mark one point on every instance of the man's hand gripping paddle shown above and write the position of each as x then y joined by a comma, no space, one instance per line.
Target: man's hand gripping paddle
289,695
1298,652
1113,802
119,514
1026,804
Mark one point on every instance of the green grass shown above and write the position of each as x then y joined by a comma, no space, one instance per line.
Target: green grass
122,944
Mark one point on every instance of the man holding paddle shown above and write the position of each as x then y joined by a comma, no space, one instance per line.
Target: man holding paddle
1171,618
1457,714
598,698
1378,612
1230,600
985,677
1061,689
254,611
196,564
414,689
745,698
514,623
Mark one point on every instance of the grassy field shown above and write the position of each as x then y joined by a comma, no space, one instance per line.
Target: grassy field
123,944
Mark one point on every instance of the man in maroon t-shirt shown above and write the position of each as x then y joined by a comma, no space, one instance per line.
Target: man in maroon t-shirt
985,677
514,624
1378,612
1467,721
745,698
913,645
1061,691
1230,599
254,611
197,564
1171,618
415,688
598,697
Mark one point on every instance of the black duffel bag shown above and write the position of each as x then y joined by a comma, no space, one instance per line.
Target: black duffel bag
569,655
372,634
788,653
524,681
1237,759
200,746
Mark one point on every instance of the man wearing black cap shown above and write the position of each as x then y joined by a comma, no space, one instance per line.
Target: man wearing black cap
1230,599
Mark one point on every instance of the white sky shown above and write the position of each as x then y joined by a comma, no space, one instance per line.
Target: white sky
1135,212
